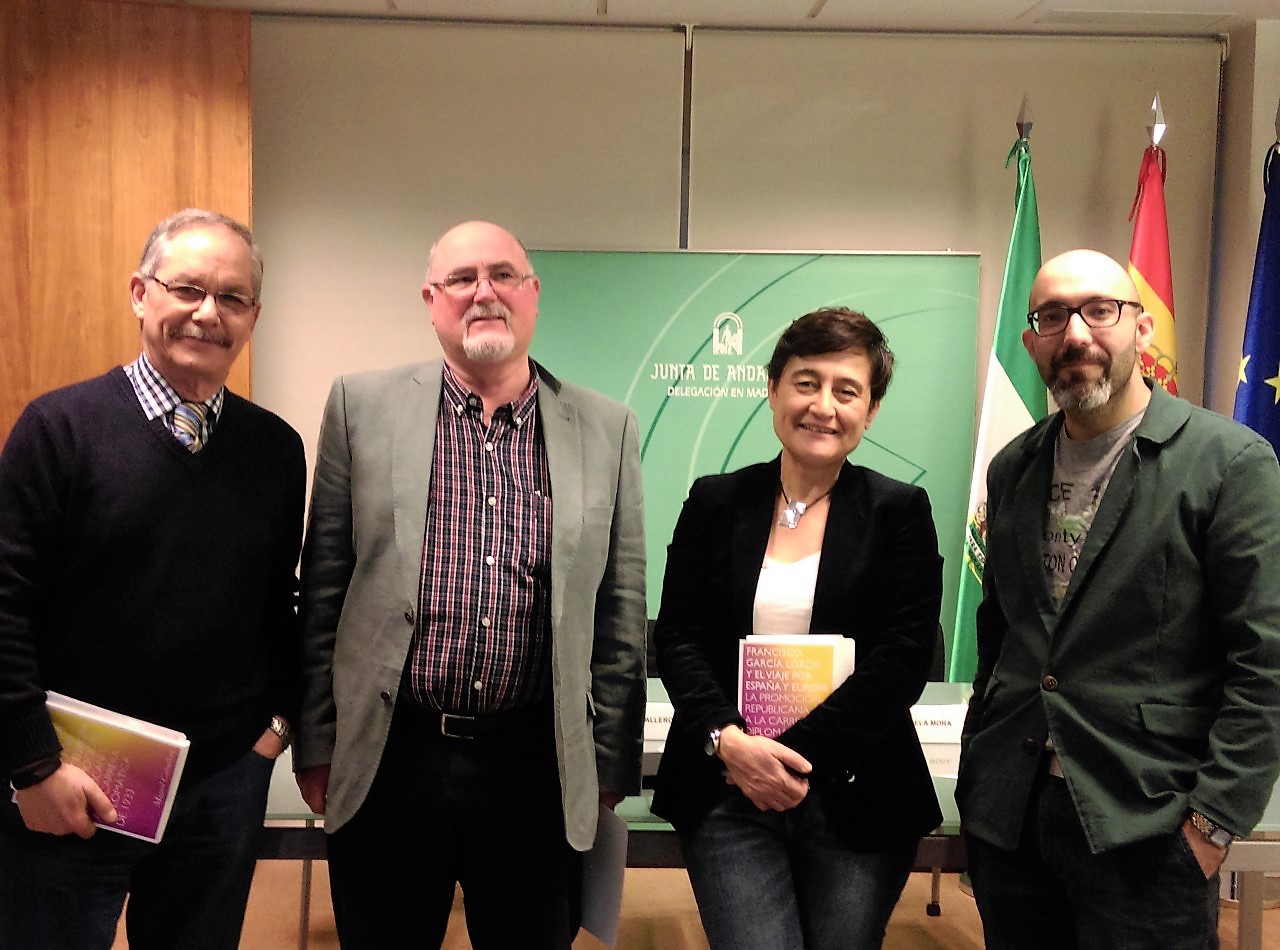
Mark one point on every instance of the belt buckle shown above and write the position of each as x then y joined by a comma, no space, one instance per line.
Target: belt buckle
444,725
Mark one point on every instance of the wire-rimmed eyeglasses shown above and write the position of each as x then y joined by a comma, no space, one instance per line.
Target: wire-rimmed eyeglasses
464,283
235,305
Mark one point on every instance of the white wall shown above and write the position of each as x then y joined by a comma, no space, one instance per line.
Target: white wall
899,142
370,138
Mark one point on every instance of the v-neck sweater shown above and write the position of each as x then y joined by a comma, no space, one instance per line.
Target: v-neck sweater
144,578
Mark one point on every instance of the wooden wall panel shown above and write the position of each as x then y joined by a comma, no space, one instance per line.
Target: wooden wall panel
115,115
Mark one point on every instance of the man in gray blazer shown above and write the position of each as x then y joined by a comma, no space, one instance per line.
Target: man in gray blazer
1125,720
474,622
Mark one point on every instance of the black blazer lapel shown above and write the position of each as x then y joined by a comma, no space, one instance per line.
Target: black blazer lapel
841,552
752,514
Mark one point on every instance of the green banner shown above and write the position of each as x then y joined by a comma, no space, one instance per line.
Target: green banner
683,339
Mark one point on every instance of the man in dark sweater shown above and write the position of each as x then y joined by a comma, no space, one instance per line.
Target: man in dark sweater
150,522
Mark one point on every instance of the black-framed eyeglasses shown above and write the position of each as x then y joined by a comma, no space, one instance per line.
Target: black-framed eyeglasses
1052,318
235,305
464,283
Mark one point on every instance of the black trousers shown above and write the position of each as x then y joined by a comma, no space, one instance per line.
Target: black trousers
483,812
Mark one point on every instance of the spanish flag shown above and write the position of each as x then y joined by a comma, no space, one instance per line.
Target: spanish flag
1150,269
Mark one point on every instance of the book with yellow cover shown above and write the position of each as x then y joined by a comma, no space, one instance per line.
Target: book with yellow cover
136,763
782,677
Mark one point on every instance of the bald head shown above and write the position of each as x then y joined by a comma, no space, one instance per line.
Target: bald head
1089,329
1081,273
470,232
483,298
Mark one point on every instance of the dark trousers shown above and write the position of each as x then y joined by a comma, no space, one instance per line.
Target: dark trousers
189,891
482,812
1053,893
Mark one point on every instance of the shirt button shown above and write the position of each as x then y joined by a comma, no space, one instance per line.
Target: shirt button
478,684
492,501
385,696
488,446
485,622
490,560
1049,684
1030,746
408,616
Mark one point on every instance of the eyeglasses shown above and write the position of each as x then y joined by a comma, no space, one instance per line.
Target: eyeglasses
1053,318
464,283
234,305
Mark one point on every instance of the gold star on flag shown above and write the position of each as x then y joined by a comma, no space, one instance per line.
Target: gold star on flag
1244,361
1274,383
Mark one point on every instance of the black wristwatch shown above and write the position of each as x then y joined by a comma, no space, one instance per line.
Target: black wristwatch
712,745
1215,833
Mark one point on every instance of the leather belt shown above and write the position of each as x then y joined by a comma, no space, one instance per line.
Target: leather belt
466,726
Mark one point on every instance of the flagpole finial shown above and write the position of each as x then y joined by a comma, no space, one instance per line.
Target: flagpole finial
1024,117
1157,126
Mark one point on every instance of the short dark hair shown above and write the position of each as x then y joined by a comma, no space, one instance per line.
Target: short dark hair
835,330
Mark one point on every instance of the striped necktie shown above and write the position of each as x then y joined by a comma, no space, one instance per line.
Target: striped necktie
188,424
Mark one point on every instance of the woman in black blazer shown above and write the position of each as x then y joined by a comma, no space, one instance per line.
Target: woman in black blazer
805,841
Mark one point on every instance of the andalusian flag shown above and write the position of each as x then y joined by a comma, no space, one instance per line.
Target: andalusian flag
1014,398
1150,269
1258,394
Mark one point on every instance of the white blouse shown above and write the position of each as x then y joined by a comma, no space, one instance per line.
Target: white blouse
784,595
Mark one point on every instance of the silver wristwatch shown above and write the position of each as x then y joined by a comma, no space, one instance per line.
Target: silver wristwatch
1215,833
712,745
280,726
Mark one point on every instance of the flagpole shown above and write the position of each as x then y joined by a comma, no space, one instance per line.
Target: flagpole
1149,260
1013,397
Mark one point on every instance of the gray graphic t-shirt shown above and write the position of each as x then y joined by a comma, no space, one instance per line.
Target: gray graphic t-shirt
1081,472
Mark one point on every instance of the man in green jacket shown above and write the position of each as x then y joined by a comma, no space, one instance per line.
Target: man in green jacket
1125,722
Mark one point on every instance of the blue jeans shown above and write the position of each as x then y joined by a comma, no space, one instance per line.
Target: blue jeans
188,891
1054,893
784,881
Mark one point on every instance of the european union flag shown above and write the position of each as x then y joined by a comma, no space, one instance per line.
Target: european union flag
1258,393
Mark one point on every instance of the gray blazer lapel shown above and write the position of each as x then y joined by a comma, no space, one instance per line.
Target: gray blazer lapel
414,446
562,437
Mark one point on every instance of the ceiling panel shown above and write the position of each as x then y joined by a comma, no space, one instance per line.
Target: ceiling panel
522,11
1113,17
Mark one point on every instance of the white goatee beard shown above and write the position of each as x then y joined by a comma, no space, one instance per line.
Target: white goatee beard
489,349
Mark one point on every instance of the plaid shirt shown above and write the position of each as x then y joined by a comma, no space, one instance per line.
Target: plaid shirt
482,643
158,398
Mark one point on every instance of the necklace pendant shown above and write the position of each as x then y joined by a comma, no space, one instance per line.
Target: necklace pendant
791,514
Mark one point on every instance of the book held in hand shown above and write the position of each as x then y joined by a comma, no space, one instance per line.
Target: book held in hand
782,677
136,763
